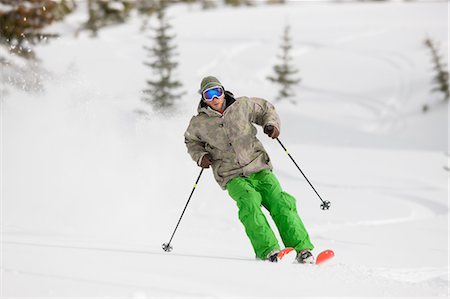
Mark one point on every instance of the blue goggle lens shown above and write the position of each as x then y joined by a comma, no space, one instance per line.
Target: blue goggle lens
211,93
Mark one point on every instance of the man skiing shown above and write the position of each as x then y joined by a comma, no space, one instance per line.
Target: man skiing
223,136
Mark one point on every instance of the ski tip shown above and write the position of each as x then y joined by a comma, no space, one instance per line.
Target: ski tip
324,256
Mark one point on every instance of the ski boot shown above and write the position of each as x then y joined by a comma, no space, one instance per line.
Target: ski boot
305,257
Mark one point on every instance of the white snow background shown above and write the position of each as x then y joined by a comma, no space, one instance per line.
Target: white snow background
90,189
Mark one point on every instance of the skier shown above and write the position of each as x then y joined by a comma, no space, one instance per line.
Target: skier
223,136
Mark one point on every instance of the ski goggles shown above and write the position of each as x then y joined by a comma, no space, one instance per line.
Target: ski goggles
213,92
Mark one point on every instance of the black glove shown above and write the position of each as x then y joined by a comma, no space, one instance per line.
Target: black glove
272,131
206,161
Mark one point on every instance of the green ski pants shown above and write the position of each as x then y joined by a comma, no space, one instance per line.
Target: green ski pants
263,188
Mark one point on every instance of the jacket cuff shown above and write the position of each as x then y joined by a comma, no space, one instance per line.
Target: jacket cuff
200,159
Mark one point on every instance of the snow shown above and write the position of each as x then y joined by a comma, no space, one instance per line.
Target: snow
91,189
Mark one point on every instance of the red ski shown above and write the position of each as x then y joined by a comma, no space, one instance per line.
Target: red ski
324,256
286,254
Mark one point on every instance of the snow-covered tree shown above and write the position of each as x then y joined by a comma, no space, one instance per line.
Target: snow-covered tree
239,2
104,13
147,7
22,22
285,71
440,79
208,4
22,26
276,1
161,92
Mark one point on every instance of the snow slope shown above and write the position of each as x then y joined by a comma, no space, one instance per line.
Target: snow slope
91,189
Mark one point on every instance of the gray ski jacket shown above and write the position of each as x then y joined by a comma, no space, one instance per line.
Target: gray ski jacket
230,138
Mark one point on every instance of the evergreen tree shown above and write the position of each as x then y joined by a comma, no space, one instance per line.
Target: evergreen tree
104,13
440,80
22,22
276,1
208,4
285,71
146,9
22,25
239,2
161,92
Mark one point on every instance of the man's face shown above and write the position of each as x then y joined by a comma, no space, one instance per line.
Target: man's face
216,103
217,95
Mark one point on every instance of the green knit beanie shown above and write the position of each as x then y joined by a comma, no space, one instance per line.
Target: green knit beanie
209,82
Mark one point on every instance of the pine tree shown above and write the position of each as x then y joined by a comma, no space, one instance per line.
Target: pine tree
160,92
103,13
208,4
239,2
146,9
440,80
22,25
285,71
22,22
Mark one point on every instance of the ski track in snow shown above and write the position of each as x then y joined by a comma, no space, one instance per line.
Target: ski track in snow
386,112
149,287
377,275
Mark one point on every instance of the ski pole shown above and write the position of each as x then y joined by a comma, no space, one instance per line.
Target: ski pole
166,246
325,205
